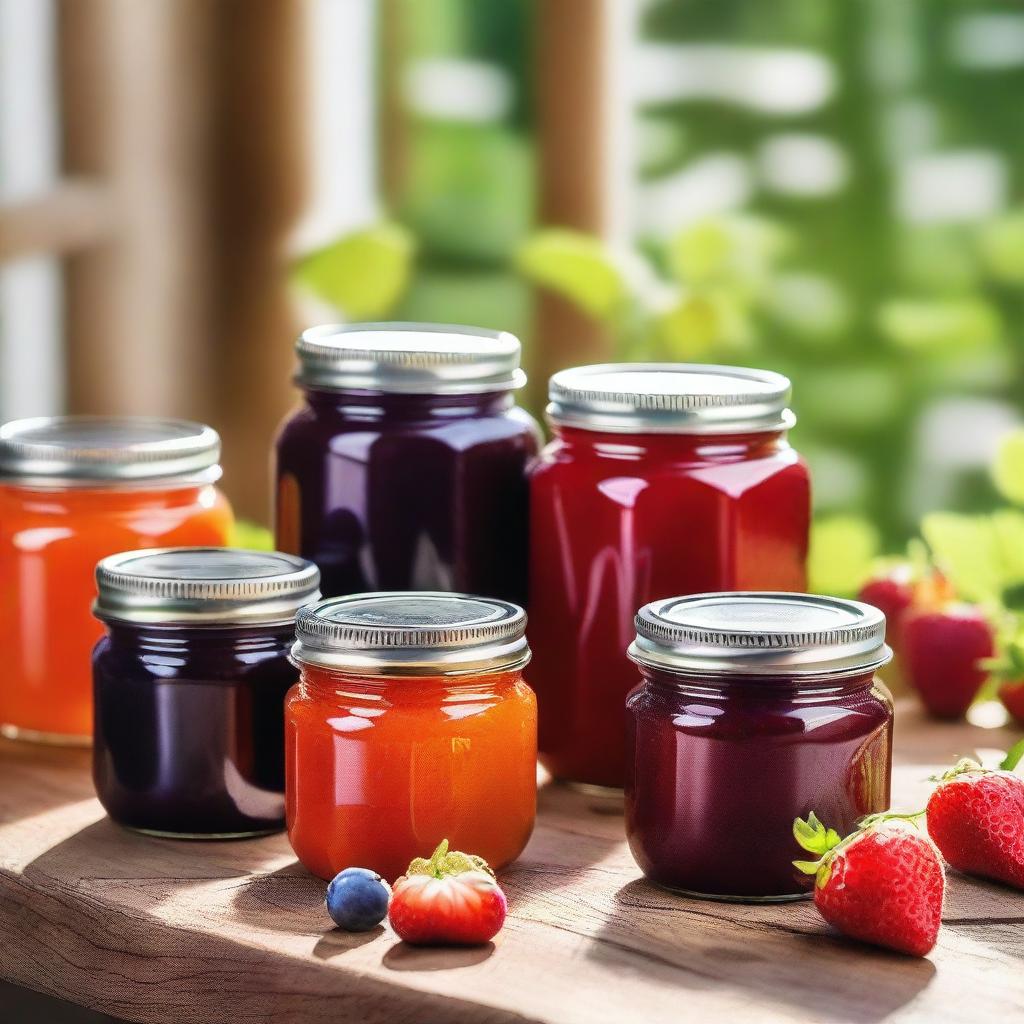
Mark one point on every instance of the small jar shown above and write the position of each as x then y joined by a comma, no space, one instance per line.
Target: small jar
661,479
754,709
405,466
411,723
72,491
190,681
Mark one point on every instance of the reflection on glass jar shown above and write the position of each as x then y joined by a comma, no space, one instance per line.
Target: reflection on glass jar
754,709
72,491
411,724
661,480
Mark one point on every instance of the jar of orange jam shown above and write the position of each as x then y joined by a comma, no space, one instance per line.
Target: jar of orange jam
410,724
74,490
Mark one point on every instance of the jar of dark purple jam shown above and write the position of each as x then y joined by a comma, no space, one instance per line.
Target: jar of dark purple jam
405,467
754,709
189,686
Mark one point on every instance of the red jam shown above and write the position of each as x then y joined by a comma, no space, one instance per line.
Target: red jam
723,759
621,518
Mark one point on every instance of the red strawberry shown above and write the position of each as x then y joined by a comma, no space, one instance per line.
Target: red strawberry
976,817
943,651
1012,696
452,899
881,884
896,589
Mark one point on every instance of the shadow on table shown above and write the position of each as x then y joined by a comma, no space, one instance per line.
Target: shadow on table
780,954
289,900
403,957
335,941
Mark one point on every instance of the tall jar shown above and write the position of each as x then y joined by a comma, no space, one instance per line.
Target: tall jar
190,681
754,709
405,467
661,479
410,724
72,491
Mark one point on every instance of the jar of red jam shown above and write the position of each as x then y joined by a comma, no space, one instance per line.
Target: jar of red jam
754,709
190,681
405,468
661,479
411,723
72,491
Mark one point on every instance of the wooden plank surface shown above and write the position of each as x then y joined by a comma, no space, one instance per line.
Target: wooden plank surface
153,930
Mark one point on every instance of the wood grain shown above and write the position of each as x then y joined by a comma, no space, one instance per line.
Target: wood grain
152,930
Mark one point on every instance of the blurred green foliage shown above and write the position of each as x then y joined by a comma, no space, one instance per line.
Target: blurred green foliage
898,322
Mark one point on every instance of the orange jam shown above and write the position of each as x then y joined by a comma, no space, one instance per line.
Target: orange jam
433,736
73,491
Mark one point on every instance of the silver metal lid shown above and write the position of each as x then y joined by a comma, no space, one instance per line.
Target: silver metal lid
86,451
410,358
412,634
760,633
670,398
205,586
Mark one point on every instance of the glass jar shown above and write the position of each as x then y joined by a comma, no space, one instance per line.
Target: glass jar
661,479
754,709
411,723
405,469
190,681
72,491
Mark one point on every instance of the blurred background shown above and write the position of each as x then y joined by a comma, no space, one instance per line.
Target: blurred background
833,190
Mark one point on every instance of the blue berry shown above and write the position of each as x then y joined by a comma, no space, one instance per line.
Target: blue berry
357,899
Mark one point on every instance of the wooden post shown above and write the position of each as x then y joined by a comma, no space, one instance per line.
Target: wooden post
259,190
575,121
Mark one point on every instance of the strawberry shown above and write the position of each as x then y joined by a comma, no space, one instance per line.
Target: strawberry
452,899
1012,696
944,650
976,818
882,884
899,586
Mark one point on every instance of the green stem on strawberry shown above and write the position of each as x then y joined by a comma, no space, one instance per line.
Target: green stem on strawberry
444,862
1013,757
814,837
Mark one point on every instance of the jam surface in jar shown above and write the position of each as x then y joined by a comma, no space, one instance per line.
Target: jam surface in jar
190,681
754,709
410,724
405,469
72,491
660,480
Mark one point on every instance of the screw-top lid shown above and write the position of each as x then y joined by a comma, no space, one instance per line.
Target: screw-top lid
413,634
411,358
668,398
760,633
205,586
86,451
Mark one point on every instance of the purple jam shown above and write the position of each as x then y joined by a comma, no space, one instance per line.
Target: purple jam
720,769
407,492
189,727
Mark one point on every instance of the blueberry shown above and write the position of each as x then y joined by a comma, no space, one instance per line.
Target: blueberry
357,899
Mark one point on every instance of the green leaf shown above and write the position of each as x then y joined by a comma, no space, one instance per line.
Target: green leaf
578,267
967,551
362,274
936,325
1001,244
251,536
1008,527
843,549
737,251
1008,468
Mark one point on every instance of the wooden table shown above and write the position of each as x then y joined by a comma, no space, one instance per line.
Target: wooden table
155,930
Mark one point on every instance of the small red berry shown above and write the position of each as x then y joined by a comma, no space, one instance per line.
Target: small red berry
976,818
452,899
882,884
944,650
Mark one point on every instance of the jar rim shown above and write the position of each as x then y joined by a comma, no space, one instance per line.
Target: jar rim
409,358
670,398
760,633
101,451
415,633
